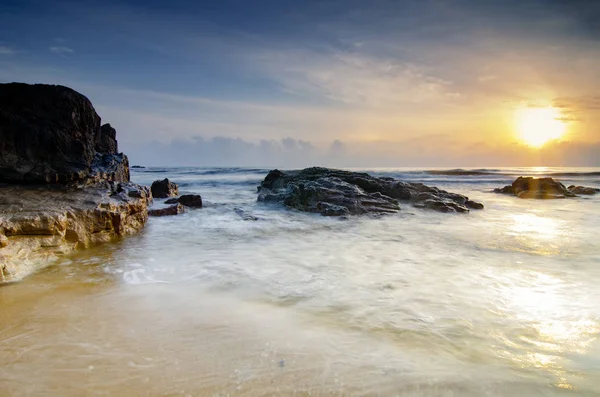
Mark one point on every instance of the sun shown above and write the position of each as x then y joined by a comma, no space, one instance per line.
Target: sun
536,126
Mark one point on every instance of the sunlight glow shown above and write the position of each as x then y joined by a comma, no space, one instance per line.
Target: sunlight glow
536,126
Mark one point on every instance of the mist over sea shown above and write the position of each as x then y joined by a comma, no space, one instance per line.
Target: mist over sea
499,302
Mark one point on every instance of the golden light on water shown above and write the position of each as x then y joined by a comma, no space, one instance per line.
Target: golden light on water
537,126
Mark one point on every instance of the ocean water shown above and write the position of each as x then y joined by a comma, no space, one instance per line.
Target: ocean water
499,302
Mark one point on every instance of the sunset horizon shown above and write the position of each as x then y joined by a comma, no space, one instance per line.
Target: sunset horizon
389,84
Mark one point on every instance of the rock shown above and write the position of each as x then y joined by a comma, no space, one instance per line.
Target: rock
538,188
164,188
66,186
49,134
172,210
107,142
40,223
191,200
587,191
245,215
338,193
137,166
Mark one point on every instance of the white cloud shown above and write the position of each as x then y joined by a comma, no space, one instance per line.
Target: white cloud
357,78
6,50
62,50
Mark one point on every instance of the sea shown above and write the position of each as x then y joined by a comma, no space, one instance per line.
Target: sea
499,302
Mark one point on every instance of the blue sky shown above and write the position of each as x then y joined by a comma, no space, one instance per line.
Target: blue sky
390,83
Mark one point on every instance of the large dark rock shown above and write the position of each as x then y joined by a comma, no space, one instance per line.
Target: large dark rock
107,141
543,188
51,134
164,188
337,193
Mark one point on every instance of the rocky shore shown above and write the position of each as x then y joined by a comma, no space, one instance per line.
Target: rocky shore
544,188
333,192
64,186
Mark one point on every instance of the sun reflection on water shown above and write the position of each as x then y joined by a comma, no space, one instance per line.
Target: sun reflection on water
554,330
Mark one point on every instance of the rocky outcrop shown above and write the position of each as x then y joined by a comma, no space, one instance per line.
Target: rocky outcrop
189,200
164,188
66,187
543,188
51,134
336,193
171,210
40,223
107,142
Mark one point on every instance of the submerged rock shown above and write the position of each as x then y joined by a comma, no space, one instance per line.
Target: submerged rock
39,223
164,188
333,192
543,188
171,210
245,215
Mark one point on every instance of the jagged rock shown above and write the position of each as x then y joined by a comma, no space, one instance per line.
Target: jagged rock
171,210
587,191
107,142
40,223
542,188
164,188
337,193
49,134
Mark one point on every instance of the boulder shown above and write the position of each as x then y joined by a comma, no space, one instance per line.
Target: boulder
50,134
171,210
333,192
107,141
40,223
543,188
191,200
164,188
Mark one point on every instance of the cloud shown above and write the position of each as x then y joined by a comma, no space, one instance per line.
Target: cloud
355,78
6,50
437,151
61,50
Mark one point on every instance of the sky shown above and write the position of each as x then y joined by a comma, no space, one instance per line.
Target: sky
347,83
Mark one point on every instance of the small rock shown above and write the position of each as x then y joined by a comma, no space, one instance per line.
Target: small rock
172,210
164,188
587,191
191,200
3,241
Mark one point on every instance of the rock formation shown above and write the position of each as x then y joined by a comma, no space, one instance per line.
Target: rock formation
543,188
336,193
52,134
164,188
65,186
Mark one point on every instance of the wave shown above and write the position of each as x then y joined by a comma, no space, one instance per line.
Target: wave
458,172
